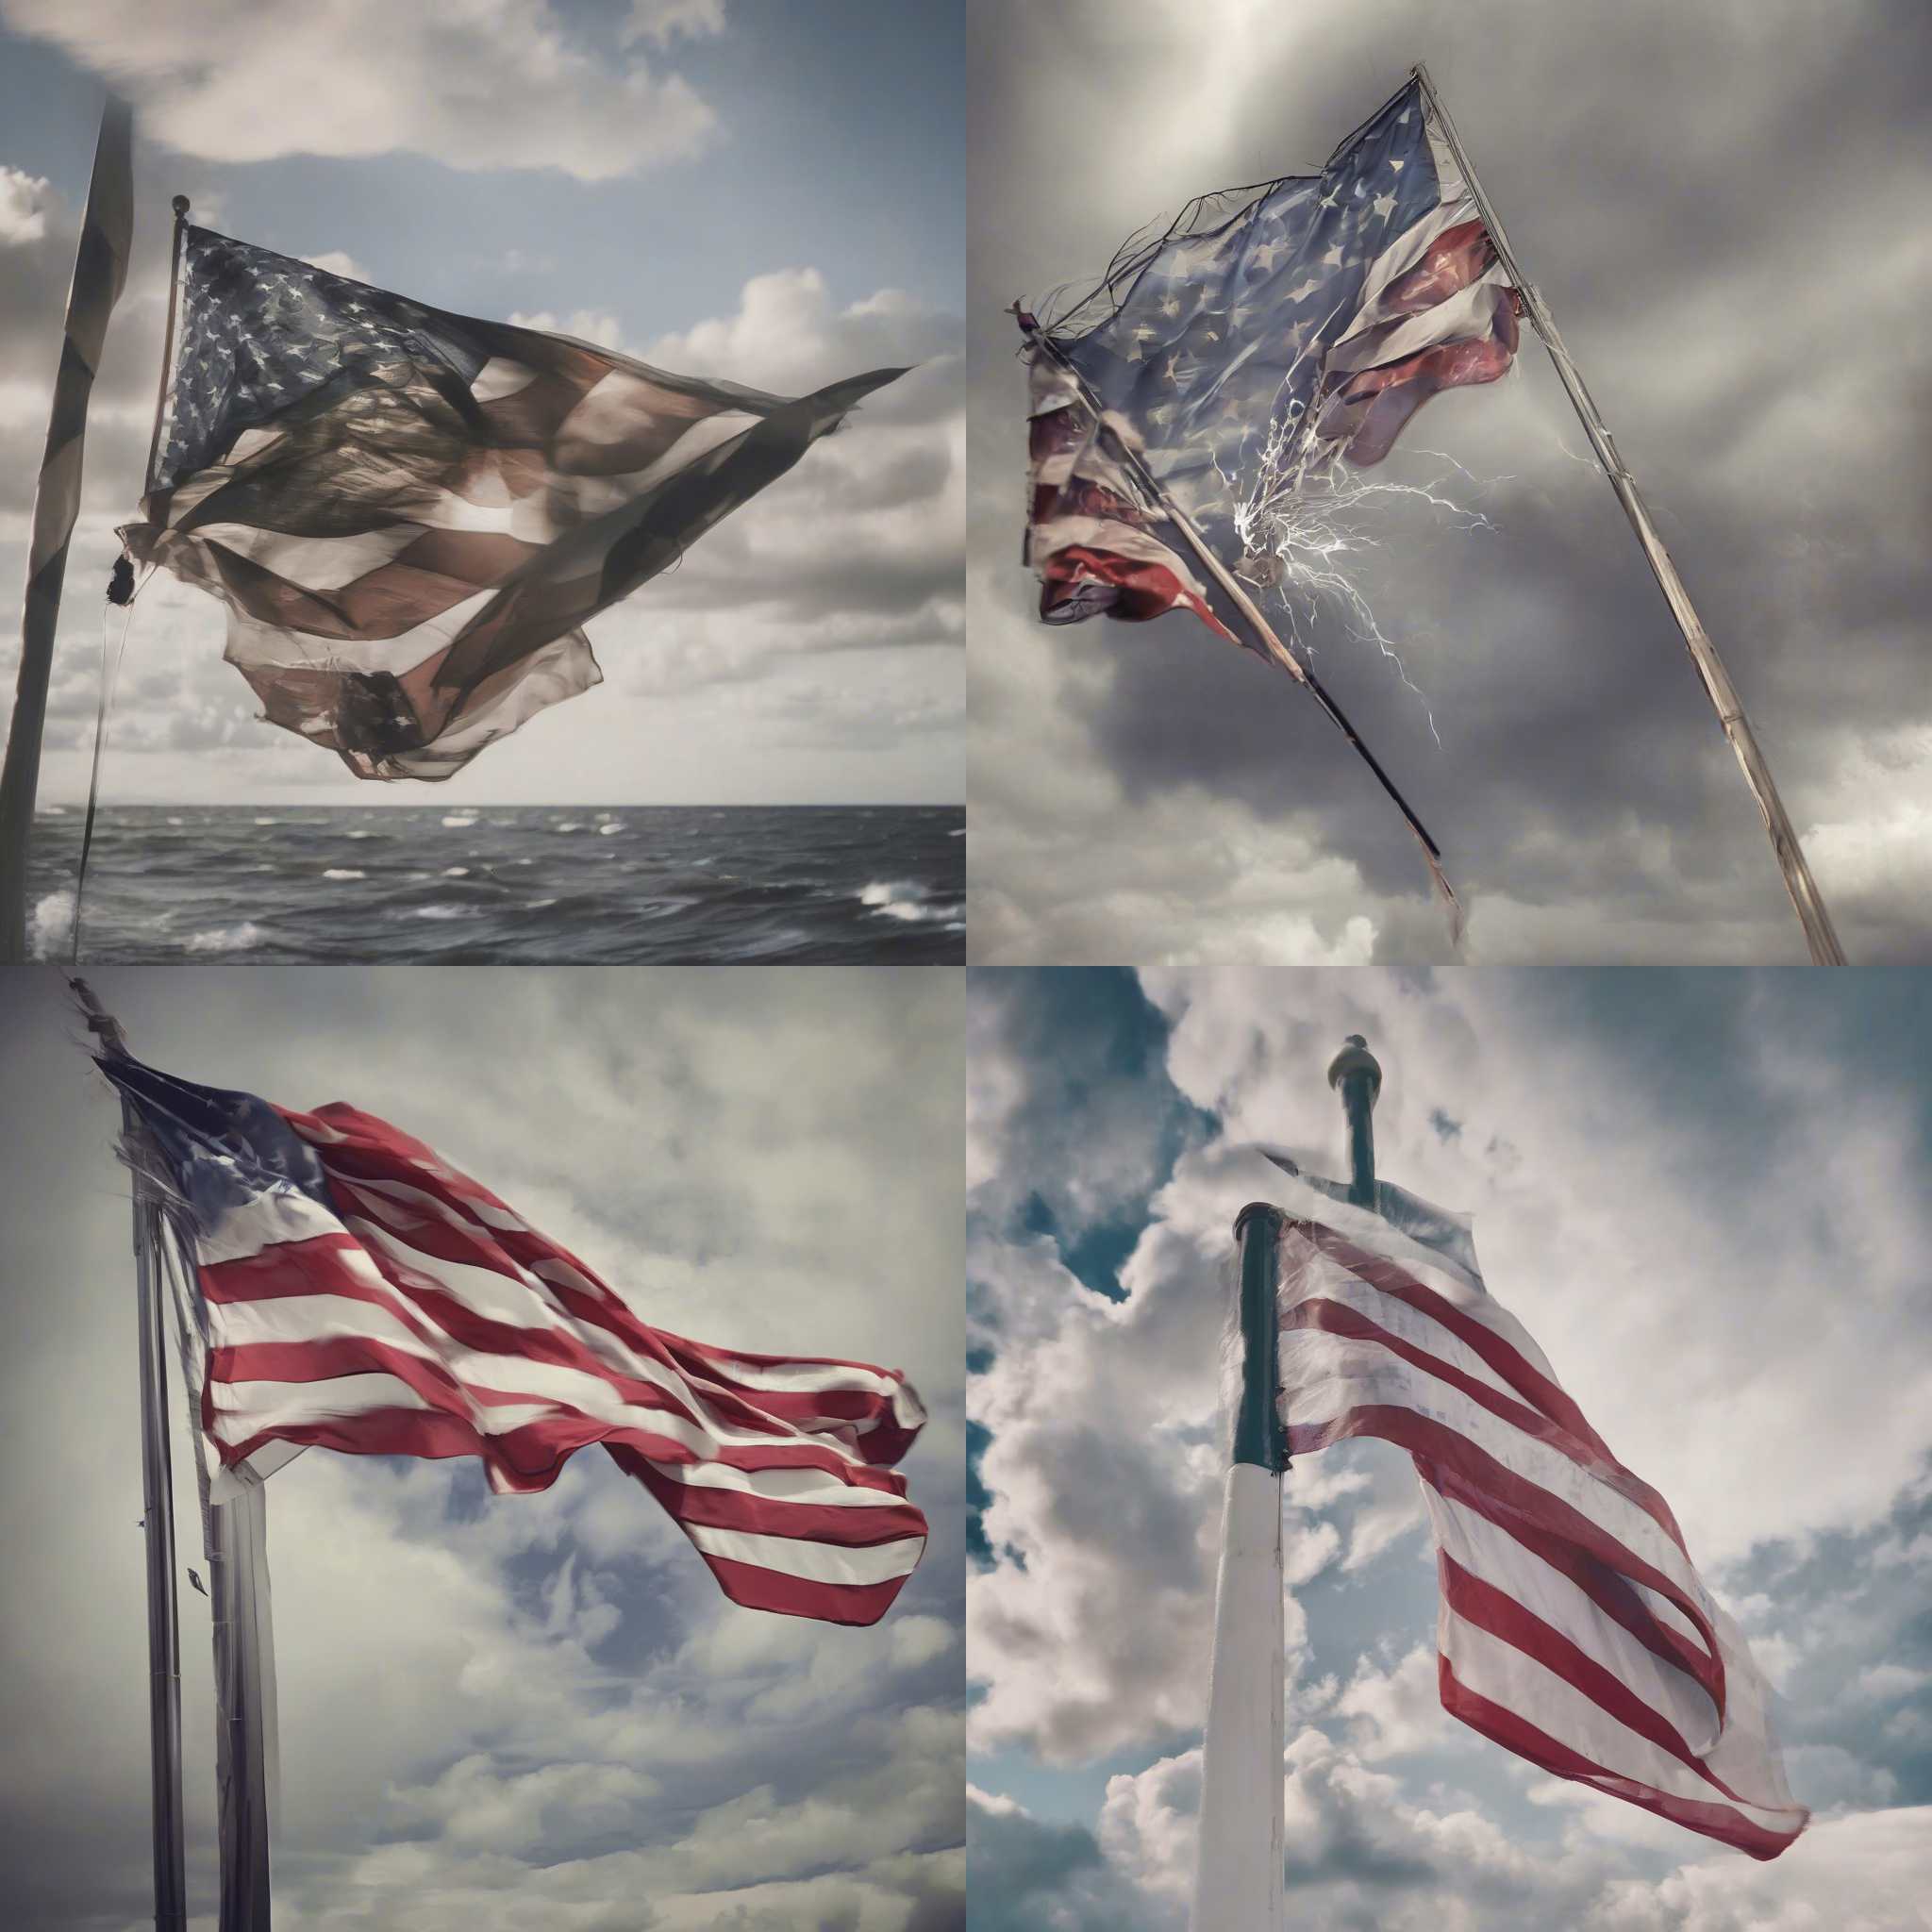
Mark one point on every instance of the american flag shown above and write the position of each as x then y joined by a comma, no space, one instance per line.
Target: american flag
1574,1629
358,1293
409,513
1269,334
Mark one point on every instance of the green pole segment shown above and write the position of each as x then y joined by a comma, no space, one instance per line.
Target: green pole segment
1357,1074
1258,1436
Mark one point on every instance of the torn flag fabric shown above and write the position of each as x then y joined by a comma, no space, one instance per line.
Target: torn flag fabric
409,514
1271,333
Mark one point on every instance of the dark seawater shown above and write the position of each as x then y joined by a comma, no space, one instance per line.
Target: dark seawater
875,885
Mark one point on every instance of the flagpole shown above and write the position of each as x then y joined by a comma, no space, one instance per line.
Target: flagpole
1806,900
1272,647
100,268
1238,1879
1357,1075
158,1520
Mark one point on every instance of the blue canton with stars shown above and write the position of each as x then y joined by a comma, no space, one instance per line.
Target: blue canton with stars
257,332
223,1149
1223,332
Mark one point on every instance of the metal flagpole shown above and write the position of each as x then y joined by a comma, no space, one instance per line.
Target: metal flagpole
1718,687
1357,1074
245,1691
1272,647
100,267
1238,1880
158,1502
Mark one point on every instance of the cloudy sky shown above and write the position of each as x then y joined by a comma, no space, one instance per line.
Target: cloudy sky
500,1713
1723,206
1704,1195
732,188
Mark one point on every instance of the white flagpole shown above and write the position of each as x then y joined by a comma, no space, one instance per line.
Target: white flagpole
100,267
1237,1879
1806,901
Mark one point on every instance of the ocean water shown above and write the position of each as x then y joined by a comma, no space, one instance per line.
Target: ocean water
877,884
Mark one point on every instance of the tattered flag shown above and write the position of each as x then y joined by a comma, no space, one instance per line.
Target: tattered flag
409,513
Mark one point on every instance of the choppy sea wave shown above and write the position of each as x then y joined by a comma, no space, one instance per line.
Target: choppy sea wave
809,884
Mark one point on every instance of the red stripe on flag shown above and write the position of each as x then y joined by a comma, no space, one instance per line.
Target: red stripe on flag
798,1596
1452,261
1508,1361
1337,1318
1611,1594
1514,1733
1142,590
1422,1436
826,1522
1482,1604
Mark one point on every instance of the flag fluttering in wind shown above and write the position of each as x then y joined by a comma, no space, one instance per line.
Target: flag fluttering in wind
1269,334
1574,1628
358,1293
408,514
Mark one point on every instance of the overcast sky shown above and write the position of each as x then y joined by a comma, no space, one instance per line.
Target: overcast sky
739,189
503,1712
1706,1197
1722,205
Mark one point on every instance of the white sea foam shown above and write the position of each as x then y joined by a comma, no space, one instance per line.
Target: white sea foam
569,825
444,911
52,923
903,899
455,872
227,939
612,826
178,822
267,821
961,833
456,821
60,811
344,871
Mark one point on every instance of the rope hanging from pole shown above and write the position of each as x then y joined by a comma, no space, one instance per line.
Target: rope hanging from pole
121,591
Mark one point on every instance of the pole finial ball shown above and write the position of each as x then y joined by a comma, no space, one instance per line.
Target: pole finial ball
1356,1058
180,208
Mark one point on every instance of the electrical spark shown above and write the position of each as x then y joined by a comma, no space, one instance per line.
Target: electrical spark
1302,516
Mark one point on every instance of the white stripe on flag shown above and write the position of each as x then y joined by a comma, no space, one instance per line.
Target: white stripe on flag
814,1562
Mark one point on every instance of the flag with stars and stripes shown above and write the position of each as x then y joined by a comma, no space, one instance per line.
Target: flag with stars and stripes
408,514
1270,335
358,1293
1574,1629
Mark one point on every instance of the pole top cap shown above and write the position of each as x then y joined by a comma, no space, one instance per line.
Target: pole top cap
1253,1208
1356,1058
180,204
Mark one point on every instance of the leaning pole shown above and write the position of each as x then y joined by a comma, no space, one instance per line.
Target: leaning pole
1238,1880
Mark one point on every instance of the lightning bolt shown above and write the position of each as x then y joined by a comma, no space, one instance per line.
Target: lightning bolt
1306,517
